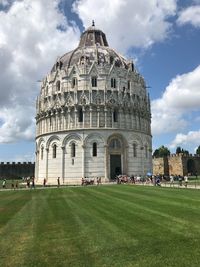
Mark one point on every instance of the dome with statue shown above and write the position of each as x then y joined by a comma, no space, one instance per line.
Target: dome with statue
93,116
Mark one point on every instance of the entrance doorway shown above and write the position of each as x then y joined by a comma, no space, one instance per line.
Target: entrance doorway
115,165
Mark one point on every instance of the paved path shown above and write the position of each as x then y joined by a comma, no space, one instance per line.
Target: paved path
176,185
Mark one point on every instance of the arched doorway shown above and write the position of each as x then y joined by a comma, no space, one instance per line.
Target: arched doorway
116,152
191,167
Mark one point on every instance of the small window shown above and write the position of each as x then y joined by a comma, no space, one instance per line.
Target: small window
129,85
94,149
94,81
42,152
80,115
134,150
54,151
74,82
111,60
115,116
58,86
73,150
113,83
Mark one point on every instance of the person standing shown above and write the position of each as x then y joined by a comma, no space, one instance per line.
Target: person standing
33,183
4,183
186,180
58,181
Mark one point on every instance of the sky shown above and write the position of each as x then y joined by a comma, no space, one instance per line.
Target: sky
161,36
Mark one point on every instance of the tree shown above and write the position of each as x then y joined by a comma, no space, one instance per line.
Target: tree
161,152
198,150
156,153
181,150
178,150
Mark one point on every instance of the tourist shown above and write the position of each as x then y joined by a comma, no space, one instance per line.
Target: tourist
171,180
180,180
186,180
58,181
158,181
33,183
12,185
4,183
16,184
44,182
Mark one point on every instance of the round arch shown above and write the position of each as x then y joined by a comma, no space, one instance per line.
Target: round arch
117,147
51,139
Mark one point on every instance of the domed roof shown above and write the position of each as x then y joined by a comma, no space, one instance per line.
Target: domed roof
93,46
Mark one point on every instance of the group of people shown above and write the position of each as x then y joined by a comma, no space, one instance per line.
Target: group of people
88,181
180,179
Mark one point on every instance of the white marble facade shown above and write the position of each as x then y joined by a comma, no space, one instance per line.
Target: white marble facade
93,116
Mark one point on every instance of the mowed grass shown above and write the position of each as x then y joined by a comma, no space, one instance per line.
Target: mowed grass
118,225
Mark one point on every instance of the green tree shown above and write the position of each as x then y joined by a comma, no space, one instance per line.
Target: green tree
178,150
198,150
162,151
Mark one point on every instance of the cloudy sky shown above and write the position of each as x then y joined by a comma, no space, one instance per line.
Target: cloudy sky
162,36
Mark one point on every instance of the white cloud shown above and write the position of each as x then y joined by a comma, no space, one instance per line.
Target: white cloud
137,23
190,15
181,97
30,41
191,137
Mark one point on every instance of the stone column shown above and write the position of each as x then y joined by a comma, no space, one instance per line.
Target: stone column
68,115
90,117
105,116
106,161
98,117
37,164
47,165
63,164
83,160
75,118
83,125
63,119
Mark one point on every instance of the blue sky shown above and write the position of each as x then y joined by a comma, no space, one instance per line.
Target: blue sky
162,36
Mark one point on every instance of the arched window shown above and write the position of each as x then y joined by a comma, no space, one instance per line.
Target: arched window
54,151
80,115
115,144
94,149
73,150
74,82
42,152
115,116
134,150
113,83
94,81
58,86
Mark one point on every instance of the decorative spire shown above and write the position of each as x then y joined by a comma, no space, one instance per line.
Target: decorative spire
93,24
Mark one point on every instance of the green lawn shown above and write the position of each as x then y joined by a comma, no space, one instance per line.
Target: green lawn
118,225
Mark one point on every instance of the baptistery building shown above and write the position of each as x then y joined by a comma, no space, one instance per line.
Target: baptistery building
93,116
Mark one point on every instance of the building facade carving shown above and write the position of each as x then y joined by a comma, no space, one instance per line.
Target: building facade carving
93,115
